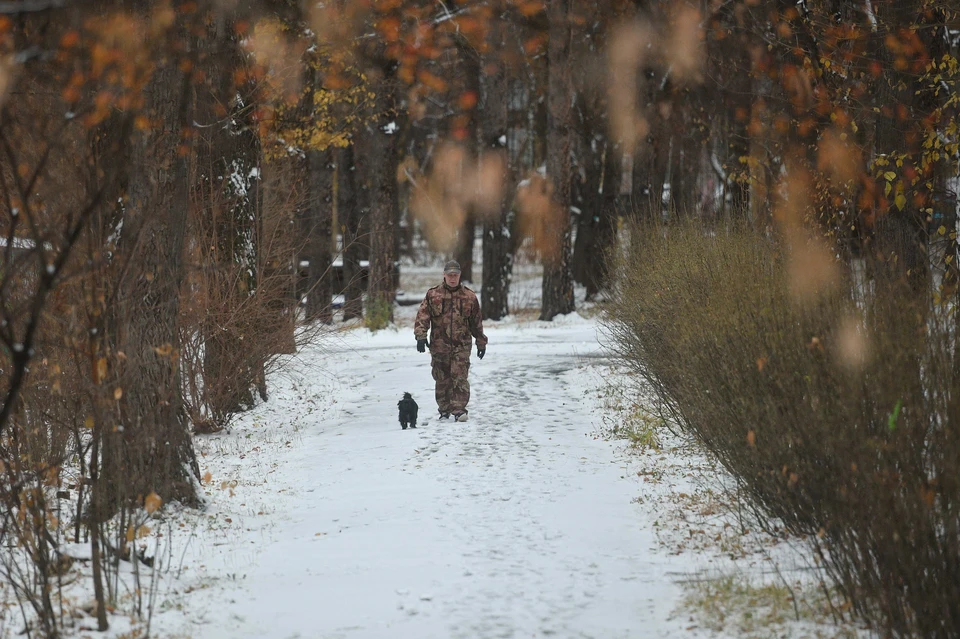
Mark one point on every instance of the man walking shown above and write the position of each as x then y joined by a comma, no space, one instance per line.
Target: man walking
451,313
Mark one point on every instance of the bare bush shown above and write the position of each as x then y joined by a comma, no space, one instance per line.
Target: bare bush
837,412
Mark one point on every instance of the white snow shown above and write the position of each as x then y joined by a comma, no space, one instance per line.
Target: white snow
325,519
18,243
328,520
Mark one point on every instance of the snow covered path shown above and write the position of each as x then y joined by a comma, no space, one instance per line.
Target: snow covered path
518,523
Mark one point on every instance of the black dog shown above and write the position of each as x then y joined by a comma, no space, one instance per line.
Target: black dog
408,411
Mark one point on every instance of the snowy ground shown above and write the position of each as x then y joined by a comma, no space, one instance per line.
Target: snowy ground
518,523
326,520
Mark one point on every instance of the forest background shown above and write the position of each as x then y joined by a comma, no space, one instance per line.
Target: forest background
764,191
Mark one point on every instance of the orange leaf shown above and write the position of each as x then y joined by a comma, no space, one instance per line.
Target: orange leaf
390,28
468,100
152,503
751,439
99,370
70,39
530,8
432,81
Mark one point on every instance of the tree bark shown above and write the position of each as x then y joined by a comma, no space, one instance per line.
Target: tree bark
352,211
730,67
230,196
317,227
463,251
557,276
597,231
379,143
151,450
900,251
493,132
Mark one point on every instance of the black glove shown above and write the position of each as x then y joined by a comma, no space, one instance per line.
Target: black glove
422,345
481,351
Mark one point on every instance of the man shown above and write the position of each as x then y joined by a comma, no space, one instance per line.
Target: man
451,312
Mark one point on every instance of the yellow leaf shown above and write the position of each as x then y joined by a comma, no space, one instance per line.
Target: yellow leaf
51,477
886,188
152,503
100,370
88,422
942,230
890,176
900,201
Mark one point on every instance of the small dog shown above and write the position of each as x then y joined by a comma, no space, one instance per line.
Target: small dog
408,411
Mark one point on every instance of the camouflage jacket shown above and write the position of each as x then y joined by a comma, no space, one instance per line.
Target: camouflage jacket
452,316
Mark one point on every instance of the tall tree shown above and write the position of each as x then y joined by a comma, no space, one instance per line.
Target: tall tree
353,212
316,215
378,144
494,134
557,274
317,227
229,201
151,450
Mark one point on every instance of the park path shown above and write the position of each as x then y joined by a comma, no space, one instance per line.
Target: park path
326,520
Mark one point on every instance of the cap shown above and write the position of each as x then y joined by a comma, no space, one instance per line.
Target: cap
452,266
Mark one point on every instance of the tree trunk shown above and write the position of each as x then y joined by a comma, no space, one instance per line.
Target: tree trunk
557,277
230,196
585,189
650,164
317,228
497,247
686,157
466,237
463,251
352,209
730,67
900,247
151,450
597,231
379,144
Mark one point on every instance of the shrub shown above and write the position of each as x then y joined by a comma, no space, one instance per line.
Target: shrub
838,416
377,314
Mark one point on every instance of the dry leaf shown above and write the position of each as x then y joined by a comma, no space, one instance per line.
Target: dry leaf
99,370
152,503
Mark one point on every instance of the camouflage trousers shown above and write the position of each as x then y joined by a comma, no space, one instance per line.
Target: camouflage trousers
450,372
